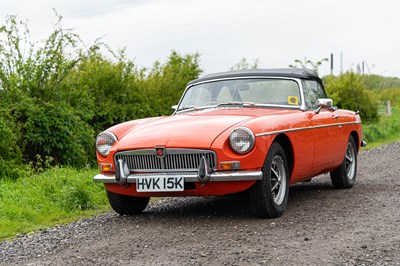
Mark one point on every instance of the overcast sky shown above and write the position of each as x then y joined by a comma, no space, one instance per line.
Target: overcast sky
224,31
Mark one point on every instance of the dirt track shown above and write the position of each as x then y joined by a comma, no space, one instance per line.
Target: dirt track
322,225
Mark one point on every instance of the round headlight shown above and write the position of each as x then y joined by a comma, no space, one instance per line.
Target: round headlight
241,140
104,142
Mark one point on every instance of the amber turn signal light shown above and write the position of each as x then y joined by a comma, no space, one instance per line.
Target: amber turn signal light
234,165
105,167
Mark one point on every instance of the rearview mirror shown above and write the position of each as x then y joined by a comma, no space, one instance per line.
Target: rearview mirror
324,103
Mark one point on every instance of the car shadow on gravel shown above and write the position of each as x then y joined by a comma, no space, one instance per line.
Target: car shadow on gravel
200,207
235,206
315,187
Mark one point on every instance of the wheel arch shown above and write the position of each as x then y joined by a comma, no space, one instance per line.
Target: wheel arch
356,138
286,145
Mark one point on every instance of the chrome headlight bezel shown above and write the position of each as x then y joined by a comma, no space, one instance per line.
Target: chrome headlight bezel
104,142
242,140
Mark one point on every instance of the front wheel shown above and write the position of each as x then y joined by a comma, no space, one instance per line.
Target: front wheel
129,205
345,175
269,195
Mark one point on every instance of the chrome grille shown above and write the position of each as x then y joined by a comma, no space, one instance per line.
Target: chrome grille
174,160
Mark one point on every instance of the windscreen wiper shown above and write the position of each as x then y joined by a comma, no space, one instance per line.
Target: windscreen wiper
237,103
188,108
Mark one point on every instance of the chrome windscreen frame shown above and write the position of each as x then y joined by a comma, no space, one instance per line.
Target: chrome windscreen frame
297,80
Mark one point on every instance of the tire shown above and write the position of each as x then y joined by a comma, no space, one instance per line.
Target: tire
123,204
269,195
345,175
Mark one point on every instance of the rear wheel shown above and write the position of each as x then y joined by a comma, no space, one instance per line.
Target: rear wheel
269,195
123,204
345,175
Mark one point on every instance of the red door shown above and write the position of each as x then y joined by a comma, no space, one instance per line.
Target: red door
328,138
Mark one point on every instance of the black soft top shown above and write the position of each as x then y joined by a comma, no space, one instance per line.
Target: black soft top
302,73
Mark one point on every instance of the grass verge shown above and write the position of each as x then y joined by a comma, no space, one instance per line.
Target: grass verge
386,130
57,196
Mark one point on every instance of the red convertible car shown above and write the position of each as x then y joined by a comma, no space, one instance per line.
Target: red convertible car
254,130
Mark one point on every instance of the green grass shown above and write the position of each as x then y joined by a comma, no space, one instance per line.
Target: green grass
59,195
386,130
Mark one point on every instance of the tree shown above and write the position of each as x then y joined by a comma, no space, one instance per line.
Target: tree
165,83
314,65
244,64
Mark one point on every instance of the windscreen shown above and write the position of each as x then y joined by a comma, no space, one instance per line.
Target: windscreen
267,92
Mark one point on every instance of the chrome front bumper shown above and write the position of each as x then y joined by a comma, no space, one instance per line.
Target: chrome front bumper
244,175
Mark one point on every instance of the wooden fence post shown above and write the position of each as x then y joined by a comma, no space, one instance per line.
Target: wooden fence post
389,109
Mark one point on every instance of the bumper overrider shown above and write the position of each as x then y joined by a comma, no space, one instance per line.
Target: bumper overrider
203,175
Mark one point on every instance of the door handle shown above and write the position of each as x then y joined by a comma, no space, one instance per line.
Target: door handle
335,116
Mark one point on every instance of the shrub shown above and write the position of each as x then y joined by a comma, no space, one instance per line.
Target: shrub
348,92
377,82
392,95
55,130
10,153
57,94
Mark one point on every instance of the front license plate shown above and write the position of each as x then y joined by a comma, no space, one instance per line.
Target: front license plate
159,184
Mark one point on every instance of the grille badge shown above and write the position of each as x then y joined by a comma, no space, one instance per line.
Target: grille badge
160,152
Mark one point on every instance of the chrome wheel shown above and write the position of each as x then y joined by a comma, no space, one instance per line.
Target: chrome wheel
278,180
349,161
345,175
269,195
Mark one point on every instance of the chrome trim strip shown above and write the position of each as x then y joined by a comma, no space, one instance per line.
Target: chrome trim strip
245,175
303,128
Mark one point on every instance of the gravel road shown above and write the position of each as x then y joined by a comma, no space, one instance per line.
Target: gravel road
322,226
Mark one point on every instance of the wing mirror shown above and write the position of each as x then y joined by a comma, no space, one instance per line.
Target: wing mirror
324,103
174,107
